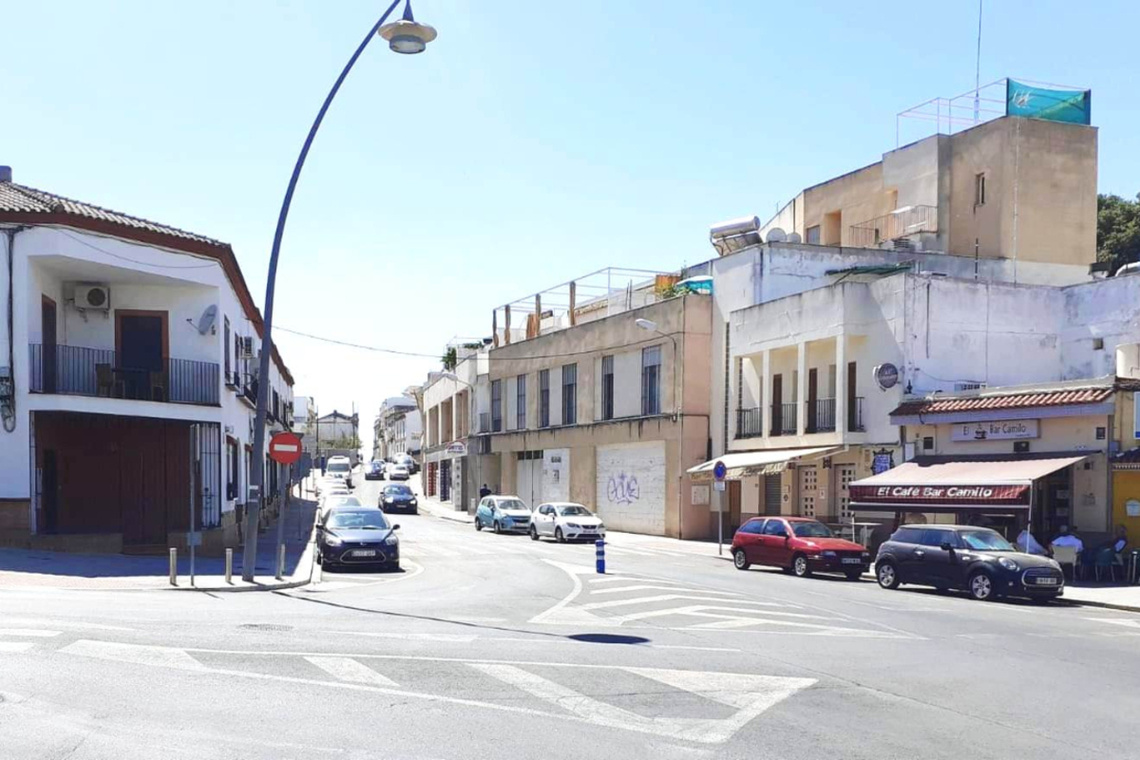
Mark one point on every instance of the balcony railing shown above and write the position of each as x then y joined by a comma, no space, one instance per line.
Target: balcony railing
900,223
79,371
821,415
784,419
855,416
749,423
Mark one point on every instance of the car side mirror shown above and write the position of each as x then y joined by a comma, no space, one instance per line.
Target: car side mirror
396,527
946,546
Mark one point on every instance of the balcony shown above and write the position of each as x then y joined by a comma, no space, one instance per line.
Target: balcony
855,415
749,423
900,224
821,415
79,371
784,419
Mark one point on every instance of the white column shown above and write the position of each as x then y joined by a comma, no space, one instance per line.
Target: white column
841,384
801,388
766,394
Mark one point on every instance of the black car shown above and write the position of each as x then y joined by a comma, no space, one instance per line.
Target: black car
375,471
977,560
357,536
398,498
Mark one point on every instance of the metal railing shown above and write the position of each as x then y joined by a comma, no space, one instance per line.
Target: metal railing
784,419
821,415
855,415
484,422
900,223
80,371
749,422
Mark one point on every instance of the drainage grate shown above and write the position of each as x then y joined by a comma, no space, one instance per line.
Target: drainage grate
265,627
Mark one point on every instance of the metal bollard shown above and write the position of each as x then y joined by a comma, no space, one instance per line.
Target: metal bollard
173,567
280,561
230,566
600,555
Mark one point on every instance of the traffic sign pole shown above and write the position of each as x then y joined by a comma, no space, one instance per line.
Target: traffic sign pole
719,472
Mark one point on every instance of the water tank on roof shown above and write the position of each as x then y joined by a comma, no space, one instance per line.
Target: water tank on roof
732,227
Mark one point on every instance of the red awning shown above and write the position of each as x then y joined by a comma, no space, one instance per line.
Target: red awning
940,483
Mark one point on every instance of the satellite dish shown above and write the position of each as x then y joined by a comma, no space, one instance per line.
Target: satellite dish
776,235
794,237
206,321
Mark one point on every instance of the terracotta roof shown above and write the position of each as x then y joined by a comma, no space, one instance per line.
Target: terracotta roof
28,200
996,401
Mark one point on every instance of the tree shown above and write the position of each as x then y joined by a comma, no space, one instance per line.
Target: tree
449,359
1117,230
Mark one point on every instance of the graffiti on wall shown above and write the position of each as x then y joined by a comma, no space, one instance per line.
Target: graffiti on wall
623,489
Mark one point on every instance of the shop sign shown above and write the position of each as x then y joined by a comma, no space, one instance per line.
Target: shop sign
457,449
966,494
886,376
995,430
883,460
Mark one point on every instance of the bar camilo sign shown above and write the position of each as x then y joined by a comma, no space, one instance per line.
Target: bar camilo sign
994,430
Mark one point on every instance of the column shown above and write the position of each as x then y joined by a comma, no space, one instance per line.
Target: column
766,394
841,384
801,388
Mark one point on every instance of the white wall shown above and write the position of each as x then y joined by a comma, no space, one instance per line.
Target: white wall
631,487
555,475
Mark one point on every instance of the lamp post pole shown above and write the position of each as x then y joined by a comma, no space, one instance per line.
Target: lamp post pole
405,36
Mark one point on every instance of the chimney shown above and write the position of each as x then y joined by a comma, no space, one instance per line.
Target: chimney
5,173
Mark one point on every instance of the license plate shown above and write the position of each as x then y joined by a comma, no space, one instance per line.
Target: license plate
1046,581
852,561
364,553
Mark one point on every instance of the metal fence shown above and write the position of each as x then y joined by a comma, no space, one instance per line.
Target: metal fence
749,422
784,419
80,371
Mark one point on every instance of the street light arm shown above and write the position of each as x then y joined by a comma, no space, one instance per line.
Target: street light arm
257,477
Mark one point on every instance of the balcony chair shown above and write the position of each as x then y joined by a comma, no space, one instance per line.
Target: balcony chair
106,384
158,387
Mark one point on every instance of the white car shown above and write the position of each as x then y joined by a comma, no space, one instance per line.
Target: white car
398,472
338,500
565,521
339,468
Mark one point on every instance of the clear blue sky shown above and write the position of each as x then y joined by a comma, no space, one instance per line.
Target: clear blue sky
533,142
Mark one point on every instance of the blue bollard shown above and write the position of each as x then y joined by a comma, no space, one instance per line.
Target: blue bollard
600,556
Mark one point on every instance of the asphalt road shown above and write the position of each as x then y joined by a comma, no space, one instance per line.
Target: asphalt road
492,646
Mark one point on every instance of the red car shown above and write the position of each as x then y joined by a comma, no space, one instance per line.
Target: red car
799,545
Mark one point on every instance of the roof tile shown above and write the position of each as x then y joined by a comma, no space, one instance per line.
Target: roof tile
947,405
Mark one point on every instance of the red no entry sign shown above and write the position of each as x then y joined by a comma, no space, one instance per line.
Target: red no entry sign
285,448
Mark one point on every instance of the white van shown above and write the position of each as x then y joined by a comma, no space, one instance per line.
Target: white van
339,468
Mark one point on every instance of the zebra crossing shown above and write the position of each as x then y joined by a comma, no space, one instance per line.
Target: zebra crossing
489,545
18,640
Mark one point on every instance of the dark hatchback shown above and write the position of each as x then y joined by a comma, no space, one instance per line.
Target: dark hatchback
357,536
399,498
977,560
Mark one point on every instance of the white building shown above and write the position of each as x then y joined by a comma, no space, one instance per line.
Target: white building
457,409
127,380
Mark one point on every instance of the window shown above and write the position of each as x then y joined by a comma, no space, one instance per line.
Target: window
908,536
775,528
813,235
607,387
980,189
226,338
569,394
231,470
496,406
521,401
544,398
1098,344
752,526
651,380
935,537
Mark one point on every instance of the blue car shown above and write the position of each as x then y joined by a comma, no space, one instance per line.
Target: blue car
503,514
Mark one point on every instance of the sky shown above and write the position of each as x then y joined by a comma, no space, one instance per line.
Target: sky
533,142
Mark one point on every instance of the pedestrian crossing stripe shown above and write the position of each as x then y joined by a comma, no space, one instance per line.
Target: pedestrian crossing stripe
16,646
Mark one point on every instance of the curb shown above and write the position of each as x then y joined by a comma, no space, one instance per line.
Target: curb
306,558
1104,605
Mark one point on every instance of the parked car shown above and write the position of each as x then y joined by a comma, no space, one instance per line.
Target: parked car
398,498
799,545
349,535
398,472
409,462
375,470
977,560
503,513
565,521
340,468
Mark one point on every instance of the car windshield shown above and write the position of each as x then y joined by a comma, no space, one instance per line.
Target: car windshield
811,530
512,504
344,501
371,520
338,467
397,491
985,540
574,509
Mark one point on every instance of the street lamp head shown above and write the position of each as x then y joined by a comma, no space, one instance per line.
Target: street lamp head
646,324
407,36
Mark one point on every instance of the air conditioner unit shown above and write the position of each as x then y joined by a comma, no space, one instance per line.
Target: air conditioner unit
92,297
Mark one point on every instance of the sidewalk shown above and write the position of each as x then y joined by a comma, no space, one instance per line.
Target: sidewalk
1112,597
445,510
23,568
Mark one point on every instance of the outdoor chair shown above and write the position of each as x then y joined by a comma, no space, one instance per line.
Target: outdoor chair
158,389
106,384
1106,562
1068,555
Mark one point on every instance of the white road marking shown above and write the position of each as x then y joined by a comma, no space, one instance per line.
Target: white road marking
35,633
348,669
16,646
654,587
165,657
1129,622
574,572
454,638
66,624
667,598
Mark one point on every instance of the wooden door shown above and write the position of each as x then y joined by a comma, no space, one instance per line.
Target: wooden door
141,348
854,418
732,489
50,361
812,396
777,404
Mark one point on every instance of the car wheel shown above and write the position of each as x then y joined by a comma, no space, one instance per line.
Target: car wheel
533,533
497,528
800,566
558,536
854,575
982,587
740,560
887,575
478,524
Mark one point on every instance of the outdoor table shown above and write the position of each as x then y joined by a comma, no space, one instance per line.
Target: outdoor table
136,382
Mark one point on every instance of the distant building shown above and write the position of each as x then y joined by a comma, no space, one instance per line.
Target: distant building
398,428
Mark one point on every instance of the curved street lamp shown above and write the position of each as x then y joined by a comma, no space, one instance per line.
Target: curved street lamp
406,36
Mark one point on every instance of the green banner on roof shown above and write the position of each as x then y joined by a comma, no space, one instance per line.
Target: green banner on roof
1070,106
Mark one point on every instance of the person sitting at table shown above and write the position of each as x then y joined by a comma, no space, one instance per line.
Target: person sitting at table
1028,544
1067,538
